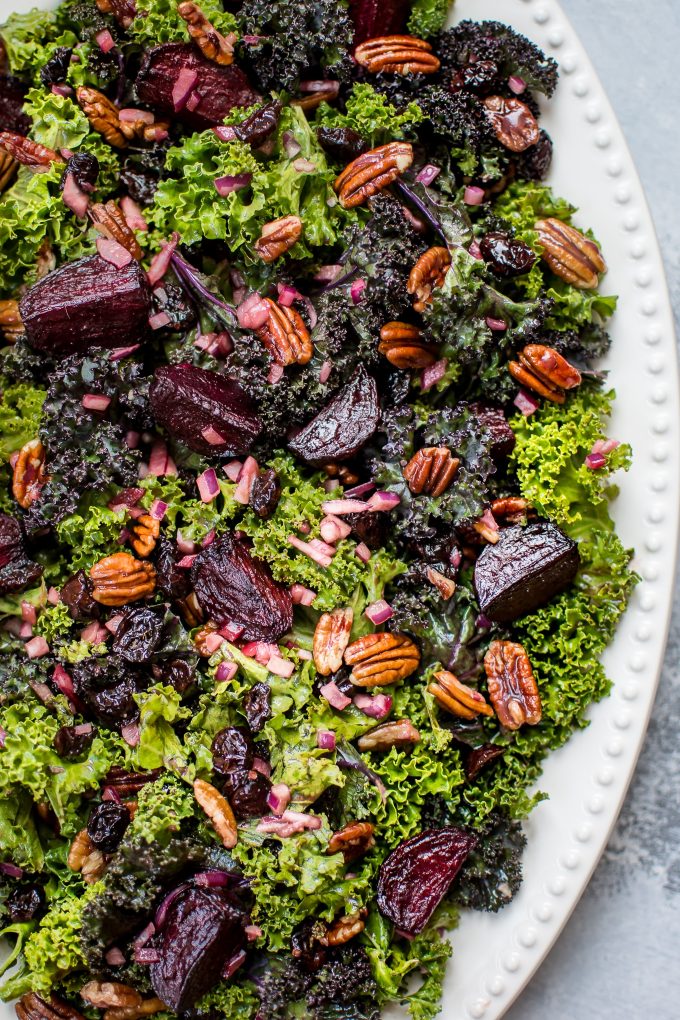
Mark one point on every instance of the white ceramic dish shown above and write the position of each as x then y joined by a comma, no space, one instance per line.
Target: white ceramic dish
496,955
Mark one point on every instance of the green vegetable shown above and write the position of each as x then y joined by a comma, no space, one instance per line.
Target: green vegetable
19,415
159,708
191,515
161,23
91,533
19,839
428,17
370,114
30,39
162,807
54,623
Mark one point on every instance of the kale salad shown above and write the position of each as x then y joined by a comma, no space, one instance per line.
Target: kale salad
306,559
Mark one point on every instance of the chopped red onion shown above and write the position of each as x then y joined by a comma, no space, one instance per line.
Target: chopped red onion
160,462
74,197
224,132
329,85
125,498
278,798
113,623
302,596
334,696
208,486
233,470
262,766
186,562
184,545
130,734
356,290
132,439
428,174
62,90
113,956
232,182
63,682
231,631
304,166
164,906
253,932
118,353
311,311
160,263
526,403
516,84
325,371
95,402
131,115
3,736
261,651
595,461
473,195
322,558
7,868
28,613
275,374
338,507
158,509
213,879
498,325
291,146
95,633
359,490
246,479
363,552
113,252
53,596
379,612
332,529
328,274
253,312
280,666
325,740
431,375
193,101
159,320
286,294
105,41
383,501
146,956
208,539
183,87
156,133
133,214
375,706
25,631
145,935
213,641
226,671
475,250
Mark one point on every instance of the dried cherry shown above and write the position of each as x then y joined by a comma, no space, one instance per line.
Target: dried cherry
342,144
139,634
257,705
232,749
265,493
16,570
506,255
344,426
23,903
178,673
72,741
55,70
76,594
480,77
107,825
12,95
257,128
171,580
247,791
84,166
107,687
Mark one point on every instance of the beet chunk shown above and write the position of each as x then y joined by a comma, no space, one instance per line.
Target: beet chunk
231,585
188,401
12,95
343,426
523,570
85,304
16,570
378,17
416,876
220,88
203,929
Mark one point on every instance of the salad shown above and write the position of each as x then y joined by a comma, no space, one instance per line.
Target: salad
306,560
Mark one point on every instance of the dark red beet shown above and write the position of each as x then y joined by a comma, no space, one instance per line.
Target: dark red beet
378,17
187,401
12,117
16,570
523,570
220,88
231,585
85,304
343,426
416,876
203,929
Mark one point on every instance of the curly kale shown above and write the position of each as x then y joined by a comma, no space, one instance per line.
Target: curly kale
492,873
18,673
585,345
512,52
343,987
459,121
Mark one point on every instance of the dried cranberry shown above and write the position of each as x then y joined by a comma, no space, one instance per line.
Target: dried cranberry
178,673
232,750
344,426
85,169
257,706
506,255
257,128
107,824
55,70
247,792
12,95
76,594
72,741
369,528
480,77
479,758
265,493
342,144
16,570
172,581
139,634
23,903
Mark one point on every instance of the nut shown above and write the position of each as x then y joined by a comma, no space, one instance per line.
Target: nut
382,658
444,585
513,123
431,470
8,168
511,509
218,809
429,272
512,687
33,1007
213,45
315,98
29,473
83,857
398,733
346,476
331,638
109,993
94,867
372,171
11,326
144,533
192,614
544,371
102,115
570,254
109,221
487,528
146,1008
27,152
201,643
285,336
121,578
355,840
457,698
344,929
400,343
277,237
397,54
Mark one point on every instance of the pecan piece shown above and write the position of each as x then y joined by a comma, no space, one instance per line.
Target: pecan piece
102,115
382,658
511,509
285,335
191,612
32,154
457,698
399,733
121,578
8,168
277,237
570,254
146,1008
544,371
201,642
397,54
144,534
446,586
372,171
33,1007
400,343
355,840
11,326
102,994
29,473
429,272
109,221
513,123
431,470
83,857
512,686
212,44
218,809
344,929
331,638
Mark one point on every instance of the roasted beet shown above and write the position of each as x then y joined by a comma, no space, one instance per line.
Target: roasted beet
369,528
416,876
523,570
23,903
203,929
232,749
231,585
12,116
191,402
16,570
257,128
265,493
248,792
107,824
220,88
257,705
342,144
76,594
72,741
87,303
139,634
503,438
378,17
506,255
341,429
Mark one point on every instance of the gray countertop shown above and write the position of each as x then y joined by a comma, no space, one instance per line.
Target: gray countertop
617,959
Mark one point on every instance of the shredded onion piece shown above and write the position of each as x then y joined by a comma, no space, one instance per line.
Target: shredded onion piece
233,470
359,490
376,706
363,552
118,353
226,671
473,195
183,87
225,185
280,666
291,146
526,403
208,485
356,290
595,461
246,479
325,740
383,501
428,174
224,132
74,197
253,312
133,214
516,84
105,41
338,507
319,556
304,166
160,263
431,375
498,325
159,320
332,529
286,294
160,462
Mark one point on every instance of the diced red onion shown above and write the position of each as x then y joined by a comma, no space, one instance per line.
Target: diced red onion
226,671
95,402
253,312
183,87
526,403
383,501
302,596
324,85
331,484
133,214
325,371
375,706
213,641
63,682
160,263
286,294
53,596
132,439
62,90
261,651
356,290
159,320
334,696
232,182
193,101
359,490
253,932
262,766
186,562
231,631
332,529
245,482
131,115
118,353
114,956
328,274
498,325
431,375
379,612
130,734
302,165
158,509
475,250
428,174
95,633
233,470
113,623
208,539
113,252
473,195
160,462
275,374
278,798
125,498
28,613
145,935
105,41
74,197
605,445
280,666
303,653
7,868
325,740
291,146
311,310
25,630
516,84
338,507
225,132
363,552
213,879
146,956
184,545
595,461
320,557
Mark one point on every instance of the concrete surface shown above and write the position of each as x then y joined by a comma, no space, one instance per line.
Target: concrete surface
618,958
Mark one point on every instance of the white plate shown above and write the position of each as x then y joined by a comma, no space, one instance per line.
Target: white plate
495,955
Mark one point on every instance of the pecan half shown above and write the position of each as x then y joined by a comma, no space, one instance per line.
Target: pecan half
285,336
344,929
277,237
83,857
429,272
109,993
355,840
121,578
512,688
399,733
146,1008
212,44
431,470
127,784
570,254
32,154
29,473
331,638
11,325
372,171
457,698
397,54
218,809
382,658
544,371
102,115
400,343
33,1007
8,168
513,123
511,509
109,221
144,534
